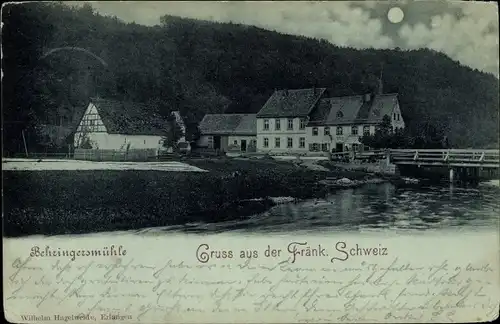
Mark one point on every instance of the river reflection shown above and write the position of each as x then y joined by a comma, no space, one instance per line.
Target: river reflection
376,207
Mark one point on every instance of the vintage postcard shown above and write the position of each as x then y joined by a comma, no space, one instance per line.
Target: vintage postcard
250,162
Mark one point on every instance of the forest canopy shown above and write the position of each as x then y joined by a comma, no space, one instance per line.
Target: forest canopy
200,67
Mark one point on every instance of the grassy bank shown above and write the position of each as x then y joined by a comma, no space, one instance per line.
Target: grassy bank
58,202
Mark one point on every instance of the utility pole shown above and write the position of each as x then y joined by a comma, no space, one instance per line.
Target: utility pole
25,146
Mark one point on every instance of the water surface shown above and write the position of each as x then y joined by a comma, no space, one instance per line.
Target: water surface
375,207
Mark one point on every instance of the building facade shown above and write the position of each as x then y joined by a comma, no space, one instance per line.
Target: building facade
338,123
303,121
114,125
282,121
228,132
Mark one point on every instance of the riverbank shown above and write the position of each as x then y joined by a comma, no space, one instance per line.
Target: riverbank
83,201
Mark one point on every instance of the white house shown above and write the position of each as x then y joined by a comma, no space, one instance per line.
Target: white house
282,121
115,125
338,123
226,132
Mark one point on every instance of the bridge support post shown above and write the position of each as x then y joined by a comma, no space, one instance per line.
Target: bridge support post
452,174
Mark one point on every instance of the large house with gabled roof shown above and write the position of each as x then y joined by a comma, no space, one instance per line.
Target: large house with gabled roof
117,125
308,120
337,123
282,121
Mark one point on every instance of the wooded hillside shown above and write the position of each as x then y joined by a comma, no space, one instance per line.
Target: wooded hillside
201,67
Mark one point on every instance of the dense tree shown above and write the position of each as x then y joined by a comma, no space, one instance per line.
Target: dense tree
200,67
386,137
383,135
173,133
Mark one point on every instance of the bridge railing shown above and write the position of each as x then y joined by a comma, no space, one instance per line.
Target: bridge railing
440,156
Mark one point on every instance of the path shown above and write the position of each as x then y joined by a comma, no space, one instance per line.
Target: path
59,165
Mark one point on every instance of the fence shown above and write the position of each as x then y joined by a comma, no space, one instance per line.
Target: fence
115,155
205,152
446,157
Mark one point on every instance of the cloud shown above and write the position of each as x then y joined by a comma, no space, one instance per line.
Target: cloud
471,38
337,22
467,32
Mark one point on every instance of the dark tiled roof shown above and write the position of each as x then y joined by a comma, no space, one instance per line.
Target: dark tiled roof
353,110
129,118
291,103
229,124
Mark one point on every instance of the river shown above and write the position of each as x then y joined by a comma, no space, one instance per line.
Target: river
373,207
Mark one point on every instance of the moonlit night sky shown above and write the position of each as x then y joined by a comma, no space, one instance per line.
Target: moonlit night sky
465,31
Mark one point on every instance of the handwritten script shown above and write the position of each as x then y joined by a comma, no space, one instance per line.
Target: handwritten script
124,289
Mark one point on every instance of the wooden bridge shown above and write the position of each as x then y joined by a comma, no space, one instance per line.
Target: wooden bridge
462,165
449,158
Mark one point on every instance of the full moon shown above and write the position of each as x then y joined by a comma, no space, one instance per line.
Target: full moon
395,15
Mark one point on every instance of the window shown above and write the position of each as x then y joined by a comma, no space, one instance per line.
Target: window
277,142
399,116
394,117
355,147
302,123
290,124
340,114
210,141
277,125
354,130
266,124
302,142
339,130
314,147
324,147
235,142
266,142
315,131
327,131
289,142
366,130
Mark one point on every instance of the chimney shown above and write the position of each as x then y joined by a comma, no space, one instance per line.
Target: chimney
367,97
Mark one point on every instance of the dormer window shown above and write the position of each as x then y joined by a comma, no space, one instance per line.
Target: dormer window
340,114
